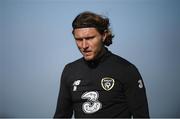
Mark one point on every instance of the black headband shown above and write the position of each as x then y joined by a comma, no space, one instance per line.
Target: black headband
87,25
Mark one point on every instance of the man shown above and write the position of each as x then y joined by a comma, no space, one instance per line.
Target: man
101,84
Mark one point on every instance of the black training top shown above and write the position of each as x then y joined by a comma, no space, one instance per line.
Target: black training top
110,87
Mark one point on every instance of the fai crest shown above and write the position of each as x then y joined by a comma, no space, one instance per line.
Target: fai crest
107,83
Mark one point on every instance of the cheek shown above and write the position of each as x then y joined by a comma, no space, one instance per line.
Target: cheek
78,44
98,46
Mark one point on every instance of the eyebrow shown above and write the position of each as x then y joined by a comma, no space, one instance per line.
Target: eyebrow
86,37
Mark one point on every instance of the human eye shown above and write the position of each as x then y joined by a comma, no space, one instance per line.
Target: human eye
90,38
78,39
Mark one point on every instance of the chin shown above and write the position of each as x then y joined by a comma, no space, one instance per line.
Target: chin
88,58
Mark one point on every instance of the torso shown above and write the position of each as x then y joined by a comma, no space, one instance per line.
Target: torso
98,91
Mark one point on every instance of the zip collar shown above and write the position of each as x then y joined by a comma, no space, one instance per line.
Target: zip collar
96,62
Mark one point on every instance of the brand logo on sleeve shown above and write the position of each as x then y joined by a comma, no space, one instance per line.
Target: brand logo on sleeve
75,84
107,83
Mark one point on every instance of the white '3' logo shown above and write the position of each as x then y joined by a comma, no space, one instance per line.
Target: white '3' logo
140,84
92,105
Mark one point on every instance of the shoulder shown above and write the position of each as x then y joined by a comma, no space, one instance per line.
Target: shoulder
75,63
72,66
130,71
123,64
121,61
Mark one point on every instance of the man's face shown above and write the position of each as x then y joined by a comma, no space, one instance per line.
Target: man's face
90,42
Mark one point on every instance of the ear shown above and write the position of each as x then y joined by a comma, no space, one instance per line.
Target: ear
104,36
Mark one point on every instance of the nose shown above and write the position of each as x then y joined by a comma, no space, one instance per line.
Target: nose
84,44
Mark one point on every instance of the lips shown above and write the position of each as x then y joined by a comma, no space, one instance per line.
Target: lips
86,53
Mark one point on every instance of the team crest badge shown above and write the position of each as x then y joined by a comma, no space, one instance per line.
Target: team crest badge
107,83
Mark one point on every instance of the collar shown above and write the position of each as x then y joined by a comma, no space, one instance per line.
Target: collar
96,62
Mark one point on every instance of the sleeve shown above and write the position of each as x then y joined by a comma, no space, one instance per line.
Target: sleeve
135,93
64,103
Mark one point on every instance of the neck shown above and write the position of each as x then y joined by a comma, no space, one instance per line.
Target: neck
94,63
102,52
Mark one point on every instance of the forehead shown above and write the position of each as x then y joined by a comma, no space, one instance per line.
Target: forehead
81,32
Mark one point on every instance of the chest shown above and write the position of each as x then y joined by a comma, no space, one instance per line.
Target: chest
105,84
